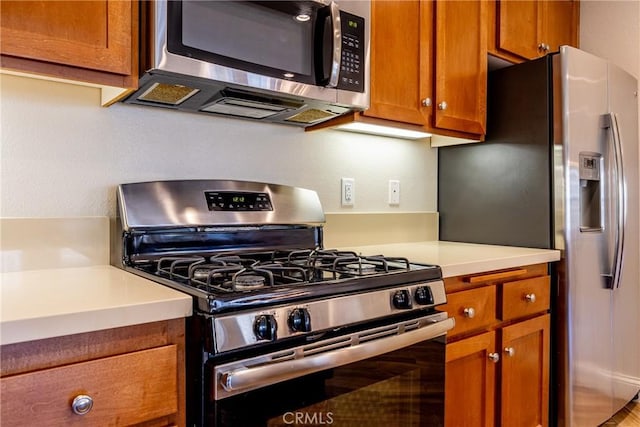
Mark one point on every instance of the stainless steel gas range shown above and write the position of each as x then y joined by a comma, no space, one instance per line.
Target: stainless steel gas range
285,331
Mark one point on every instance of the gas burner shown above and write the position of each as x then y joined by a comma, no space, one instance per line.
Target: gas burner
243,282
360,268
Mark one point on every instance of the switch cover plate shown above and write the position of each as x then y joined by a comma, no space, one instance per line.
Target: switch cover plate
394,192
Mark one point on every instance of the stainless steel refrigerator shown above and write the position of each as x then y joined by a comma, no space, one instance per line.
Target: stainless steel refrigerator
559,169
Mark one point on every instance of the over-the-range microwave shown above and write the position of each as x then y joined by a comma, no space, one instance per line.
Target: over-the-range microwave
293,62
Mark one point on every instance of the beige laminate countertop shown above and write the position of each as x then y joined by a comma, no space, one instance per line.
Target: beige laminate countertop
39,304
457,259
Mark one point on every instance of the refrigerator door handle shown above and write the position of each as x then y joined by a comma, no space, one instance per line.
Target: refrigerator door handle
610,121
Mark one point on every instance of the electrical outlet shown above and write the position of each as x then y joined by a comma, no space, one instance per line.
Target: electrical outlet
394,192
348,191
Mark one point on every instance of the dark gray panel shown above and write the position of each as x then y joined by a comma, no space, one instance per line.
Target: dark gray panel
499,191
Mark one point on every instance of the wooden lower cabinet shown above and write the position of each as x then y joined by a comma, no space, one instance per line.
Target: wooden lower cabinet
121,377
470,382
497,363
524,373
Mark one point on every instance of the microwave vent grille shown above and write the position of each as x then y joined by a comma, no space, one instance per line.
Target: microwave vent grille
165,93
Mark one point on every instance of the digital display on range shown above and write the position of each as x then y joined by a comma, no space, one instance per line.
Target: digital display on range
238,201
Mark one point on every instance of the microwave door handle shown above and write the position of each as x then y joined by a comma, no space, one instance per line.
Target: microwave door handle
337,45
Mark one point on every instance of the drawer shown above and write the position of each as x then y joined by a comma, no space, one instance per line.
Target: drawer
472,309
126,389
524,297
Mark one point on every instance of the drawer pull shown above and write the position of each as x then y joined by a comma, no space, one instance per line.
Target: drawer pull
494,357
496,276
82,404
469,312
530,298
510,351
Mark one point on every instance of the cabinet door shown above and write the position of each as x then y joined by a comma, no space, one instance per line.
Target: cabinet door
400,60
470,382
91,35
560,23
519,27
525,373
461,66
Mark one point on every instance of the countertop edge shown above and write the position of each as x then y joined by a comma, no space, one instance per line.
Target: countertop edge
129,300
482,266
22,330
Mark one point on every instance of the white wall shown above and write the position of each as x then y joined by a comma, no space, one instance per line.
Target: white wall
611,30
62,154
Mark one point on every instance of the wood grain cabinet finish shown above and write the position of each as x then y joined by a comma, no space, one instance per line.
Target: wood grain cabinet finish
93,41
471,380
428,68
498,364
132,376
528,29
472,310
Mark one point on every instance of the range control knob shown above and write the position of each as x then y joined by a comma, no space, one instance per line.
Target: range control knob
300,320
265,327
401,299
423,295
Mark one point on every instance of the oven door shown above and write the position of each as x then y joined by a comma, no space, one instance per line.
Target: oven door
382,376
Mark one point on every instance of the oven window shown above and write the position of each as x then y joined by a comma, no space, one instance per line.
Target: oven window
401,388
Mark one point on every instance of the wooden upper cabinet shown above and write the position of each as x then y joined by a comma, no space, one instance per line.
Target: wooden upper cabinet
400,60
429,66
529,29
461,66
93,41
560,26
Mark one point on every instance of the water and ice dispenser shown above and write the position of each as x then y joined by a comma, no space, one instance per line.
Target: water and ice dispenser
590,192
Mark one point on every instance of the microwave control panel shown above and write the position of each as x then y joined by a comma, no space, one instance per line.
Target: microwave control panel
351,63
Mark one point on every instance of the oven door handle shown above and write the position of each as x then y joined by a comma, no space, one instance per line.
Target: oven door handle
244,378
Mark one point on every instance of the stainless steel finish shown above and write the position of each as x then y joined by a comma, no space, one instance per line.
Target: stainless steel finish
241,376
237,330
626,316
598,340
426,102
82,404
442,105
621,199
530,298
183,203
469,312
337,45
170,63
494,357
510,351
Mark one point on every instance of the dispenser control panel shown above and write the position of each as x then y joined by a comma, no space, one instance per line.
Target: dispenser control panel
590,166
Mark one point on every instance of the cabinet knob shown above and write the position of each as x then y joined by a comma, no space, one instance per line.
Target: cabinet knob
426,102
530,297
543,47
442,105
510,351
82,404
469,312
494,357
